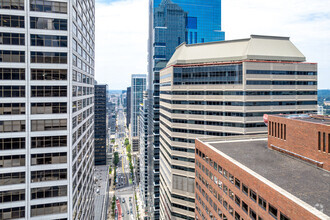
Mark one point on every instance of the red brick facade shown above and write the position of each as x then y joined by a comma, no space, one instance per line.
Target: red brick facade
207,186
303,137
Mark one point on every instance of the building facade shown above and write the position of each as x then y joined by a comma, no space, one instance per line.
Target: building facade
47,110
101,133
172,22
128,107
138,85
240,177
223,89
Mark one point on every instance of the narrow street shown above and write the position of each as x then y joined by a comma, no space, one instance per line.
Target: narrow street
124,189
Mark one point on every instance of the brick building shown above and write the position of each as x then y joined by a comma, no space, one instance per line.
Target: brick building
251,177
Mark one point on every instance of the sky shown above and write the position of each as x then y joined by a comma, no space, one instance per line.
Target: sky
122,33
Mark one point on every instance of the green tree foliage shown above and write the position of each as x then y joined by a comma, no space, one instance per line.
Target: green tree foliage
116,158
126,142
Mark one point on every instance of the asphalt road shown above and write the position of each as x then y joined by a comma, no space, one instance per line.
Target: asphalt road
124,188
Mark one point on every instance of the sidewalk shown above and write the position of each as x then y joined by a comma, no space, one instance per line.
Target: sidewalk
139,202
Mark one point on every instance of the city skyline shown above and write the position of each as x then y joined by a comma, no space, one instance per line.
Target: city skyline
307,27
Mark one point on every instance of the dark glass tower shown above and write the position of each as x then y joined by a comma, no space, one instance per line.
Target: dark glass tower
170,24
101,125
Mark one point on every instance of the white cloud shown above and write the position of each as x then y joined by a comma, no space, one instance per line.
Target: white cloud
121,41
122,28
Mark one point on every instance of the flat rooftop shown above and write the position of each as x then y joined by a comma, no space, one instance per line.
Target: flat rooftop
311,118
303,180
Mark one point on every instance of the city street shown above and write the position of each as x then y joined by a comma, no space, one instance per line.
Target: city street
124,190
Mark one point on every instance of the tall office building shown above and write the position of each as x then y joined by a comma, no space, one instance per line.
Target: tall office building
170,24
223,89
138,84
128,107
101,135
46,110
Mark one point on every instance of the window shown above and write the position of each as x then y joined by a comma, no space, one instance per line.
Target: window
12,38
12,178
231,210
237,216
48,74
12,4
12,143
253,214
283,217
225,204
48,175
48,209
12,126
253,195
48,158
48,192
12,108
231,178
48,125
245,189
48,23
48,57
12,91
262,203
328,143
231,194
324,143
237,183
48,6
49,40
12,196
11,21
237,200
48,91
284,132
219,169
225,174
319,141
12,213
12,161
225,188
49,108
272,210
50,141
245,207
11,56
12,73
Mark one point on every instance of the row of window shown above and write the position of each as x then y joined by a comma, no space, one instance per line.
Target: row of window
49,209
272,210
12,108
282,72
82,78
82,90
48,91
12,91
48,175
12,144
49,158
12,196
12,74
11,21
48,6
12,4
49,74
48,192
10,56
12,161
274,103
12,178
12,126
49,40
233,114
260,82
322,142
277,130
48,23
214,123
12,38
248,93
49,57
49,108
12,213
48,125
48,141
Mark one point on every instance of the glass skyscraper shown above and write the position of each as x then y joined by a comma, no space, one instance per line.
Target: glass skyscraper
170,24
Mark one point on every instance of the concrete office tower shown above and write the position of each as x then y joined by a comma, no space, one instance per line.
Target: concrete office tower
223,89
46,110
128,107
101,135
144,163
138,85
250,181
170,24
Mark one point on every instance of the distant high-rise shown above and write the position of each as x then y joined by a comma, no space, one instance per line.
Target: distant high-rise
211,90
128,106
101,125
46,109
138,85
170,24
